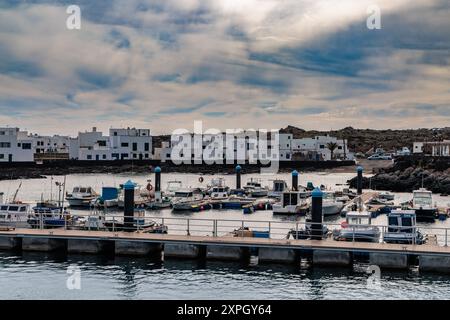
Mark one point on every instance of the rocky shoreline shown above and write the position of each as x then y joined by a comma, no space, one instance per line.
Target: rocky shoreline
408,173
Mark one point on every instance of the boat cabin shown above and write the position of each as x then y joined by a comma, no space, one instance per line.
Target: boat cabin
358,218
422,198
279,185
401,221
219,192
293,198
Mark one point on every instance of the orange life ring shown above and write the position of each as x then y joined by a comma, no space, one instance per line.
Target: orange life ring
344,224
149,187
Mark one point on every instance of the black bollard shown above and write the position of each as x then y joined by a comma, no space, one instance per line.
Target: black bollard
316,213
157,179
295,180
359,180
238,177
128,212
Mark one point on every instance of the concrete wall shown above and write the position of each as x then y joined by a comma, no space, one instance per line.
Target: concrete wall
432,263
135,248
277,255
218,252
42,244
332,258
180,250
389,260
9,243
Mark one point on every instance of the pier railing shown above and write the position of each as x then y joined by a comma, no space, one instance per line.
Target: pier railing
225,227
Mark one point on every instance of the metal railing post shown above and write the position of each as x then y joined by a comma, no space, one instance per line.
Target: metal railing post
270,229
41,222
188,227
446,236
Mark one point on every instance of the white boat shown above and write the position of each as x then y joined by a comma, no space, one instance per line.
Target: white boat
186,199
172,187
402,228
292,202
357,227
255,189
386,195
14,214
279,186
220,193
422,204
330,205
81,196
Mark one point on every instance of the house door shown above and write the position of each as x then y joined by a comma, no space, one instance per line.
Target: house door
97,157
140,156
10,158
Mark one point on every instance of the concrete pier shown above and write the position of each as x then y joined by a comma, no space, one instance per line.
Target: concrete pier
277,255
181,250
88,246
42,244
231,253
9,243
332,258
136,248
434,263
389,260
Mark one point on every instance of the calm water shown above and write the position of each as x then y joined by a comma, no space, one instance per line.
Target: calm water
44,276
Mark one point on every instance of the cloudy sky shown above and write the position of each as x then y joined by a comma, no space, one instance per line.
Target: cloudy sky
161,64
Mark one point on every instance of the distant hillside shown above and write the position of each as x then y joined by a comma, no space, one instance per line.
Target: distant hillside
362,140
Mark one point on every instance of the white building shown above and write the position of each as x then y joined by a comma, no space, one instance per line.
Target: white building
127,144
318,148
437,148
51,147
93,145
15,146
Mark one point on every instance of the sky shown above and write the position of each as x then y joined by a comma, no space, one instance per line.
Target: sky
161,64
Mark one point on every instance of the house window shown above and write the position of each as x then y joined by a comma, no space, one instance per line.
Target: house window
19,145
124,144
115,133
124,155
89,157
5,145
2,133
134,146
146,146
102,143
104,156
26,146
146,155
168,155
288,156
2,156
115,155
134,155
322,146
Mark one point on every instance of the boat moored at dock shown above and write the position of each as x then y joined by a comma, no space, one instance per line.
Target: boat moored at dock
81,196
402,228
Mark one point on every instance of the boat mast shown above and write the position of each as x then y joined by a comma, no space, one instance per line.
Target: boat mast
17,191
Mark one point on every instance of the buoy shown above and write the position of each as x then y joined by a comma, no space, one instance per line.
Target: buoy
200,179
344,224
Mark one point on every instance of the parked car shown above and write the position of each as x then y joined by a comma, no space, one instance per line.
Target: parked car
374,157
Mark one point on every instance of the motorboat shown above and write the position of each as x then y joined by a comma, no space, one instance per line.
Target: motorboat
292,202
279,186
219,193
254,188
81,196
422,204
108,199
172,187
234,201
14,214
186,199
140,223
386,195
50,216
331,206
357,227
402,228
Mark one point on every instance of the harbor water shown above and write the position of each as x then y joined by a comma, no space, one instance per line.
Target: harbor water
45,276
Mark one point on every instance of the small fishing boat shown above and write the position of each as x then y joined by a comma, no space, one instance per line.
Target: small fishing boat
292,202
254,188
44,217
108,199
279,186
172,187
331,206
422,204
233,202
357,227
219,193
140,223
186,199
14,214
386,195
81,196
402,228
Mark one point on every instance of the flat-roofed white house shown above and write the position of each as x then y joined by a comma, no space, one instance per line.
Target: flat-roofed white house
15,146
130,144
433,148
318,148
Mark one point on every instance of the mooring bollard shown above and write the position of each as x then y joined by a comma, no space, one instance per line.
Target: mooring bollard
295,180
128,212
238,177
359,178
316,213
